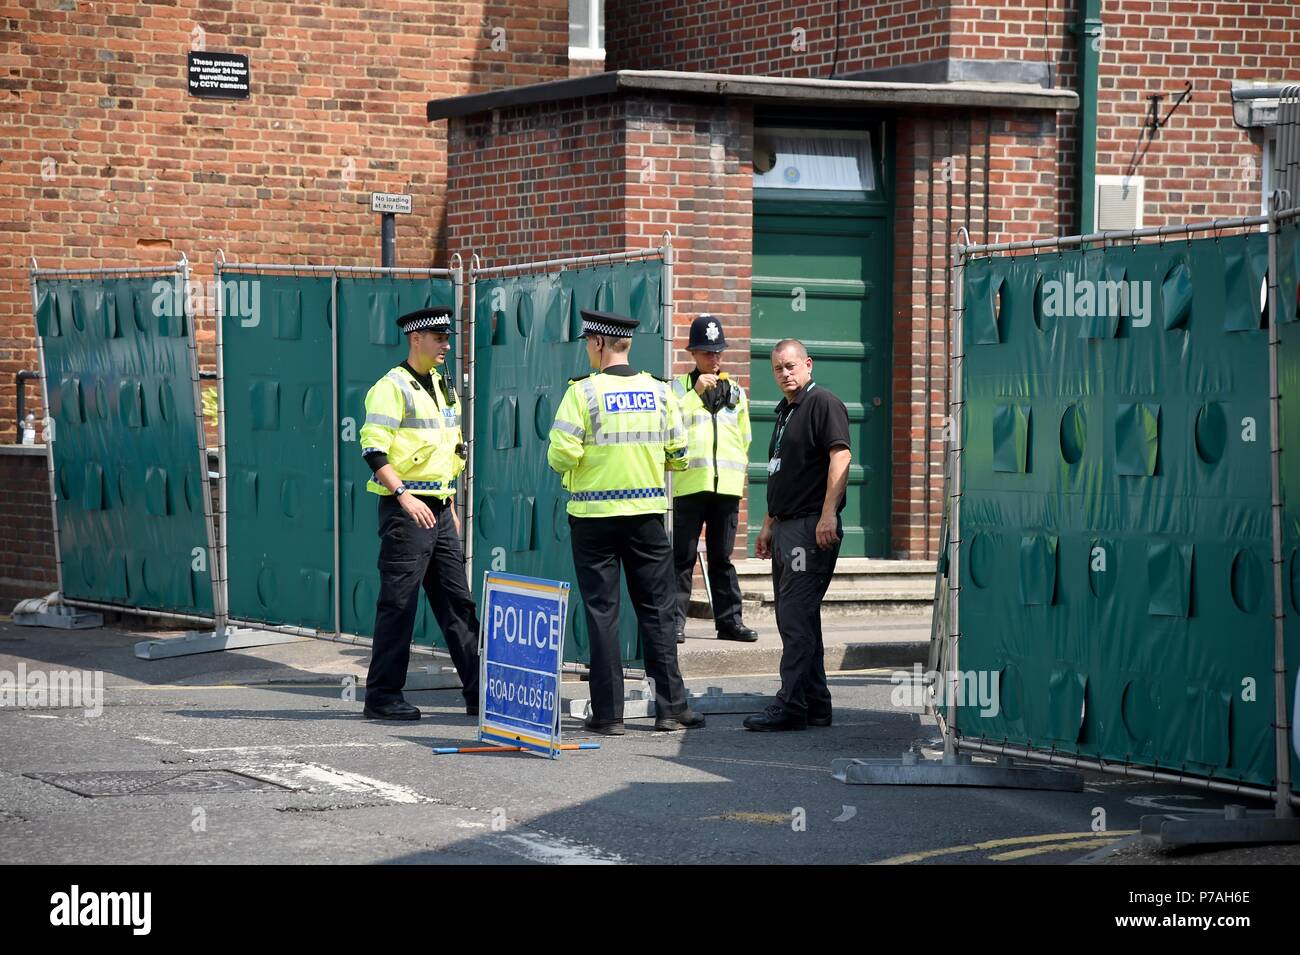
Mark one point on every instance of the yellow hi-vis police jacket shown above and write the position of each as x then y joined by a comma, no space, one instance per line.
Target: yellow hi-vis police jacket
717,444
612,439
417,430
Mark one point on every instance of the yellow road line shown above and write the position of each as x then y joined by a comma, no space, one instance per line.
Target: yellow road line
1054,847
999,843
767,818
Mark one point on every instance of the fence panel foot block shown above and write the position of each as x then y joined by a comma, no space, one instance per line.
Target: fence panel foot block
60,617
196,641
1236,827
911,770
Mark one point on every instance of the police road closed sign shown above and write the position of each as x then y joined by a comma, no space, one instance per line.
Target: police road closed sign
521,653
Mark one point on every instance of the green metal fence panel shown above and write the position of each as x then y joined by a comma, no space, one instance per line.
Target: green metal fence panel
282,430
1115,527
369,345
279,422
526,350
128,453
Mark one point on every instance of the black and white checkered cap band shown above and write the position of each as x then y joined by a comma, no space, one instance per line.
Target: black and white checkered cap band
439,323
600,328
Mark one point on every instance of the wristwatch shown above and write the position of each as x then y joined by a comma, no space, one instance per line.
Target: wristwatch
400,490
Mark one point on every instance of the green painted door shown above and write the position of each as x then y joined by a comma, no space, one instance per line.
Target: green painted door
822,268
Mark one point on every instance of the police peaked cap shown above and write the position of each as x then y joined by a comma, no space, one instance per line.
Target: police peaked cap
436,319
608,324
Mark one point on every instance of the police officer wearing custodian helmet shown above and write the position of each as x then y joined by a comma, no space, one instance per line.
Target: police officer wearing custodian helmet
614,433
716,415
412,441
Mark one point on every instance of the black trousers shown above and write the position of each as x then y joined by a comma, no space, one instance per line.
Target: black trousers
638,544
411,556
801,574
720,514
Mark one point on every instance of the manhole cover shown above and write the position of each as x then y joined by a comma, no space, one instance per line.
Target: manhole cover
157,782
215,781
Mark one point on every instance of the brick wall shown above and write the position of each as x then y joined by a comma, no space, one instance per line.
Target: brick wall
604,174
536,182
1200,166
26,529
579,177
786,38
585,67
688,170
607,173
1005,178
994,174
107,159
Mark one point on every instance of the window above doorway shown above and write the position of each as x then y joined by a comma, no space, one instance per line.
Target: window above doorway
814,159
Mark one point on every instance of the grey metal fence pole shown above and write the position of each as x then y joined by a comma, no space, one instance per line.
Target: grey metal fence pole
189,317
50,429
956,416
1281,720
223,504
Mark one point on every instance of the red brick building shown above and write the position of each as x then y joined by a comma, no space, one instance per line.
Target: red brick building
901,121
107,159
955,113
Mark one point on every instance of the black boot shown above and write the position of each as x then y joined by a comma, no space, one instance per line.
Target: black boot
684,719
775,719
738,632
396,710
603,727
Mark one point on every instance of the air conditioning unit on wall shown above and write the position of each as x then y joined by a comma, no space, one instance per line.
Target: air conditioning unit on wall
1118,202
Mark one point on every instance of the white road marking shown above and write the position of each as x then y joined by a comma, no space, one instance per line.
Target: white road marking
285,747
154,739
545,848
315,777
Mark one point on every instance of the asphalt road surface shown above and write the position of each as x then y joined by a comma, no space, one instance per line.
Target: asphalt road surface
313,781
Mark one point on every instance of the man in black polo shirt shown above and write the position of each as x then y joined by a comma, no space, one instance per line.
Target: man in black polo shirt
808,467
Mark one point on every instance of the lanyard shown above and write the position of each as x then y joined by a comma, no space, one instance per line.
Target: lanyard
784,420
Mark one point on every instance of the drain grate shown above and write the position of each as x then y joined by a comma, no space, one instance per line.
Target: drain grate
157,782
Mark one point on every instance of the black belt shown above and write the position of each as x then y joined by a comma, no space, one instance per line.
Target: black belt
428,499
795,517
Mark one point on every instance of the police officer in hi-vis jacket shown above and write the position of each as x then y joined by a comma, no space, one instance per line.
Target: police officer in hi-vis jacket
614,433
716,414
412,441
